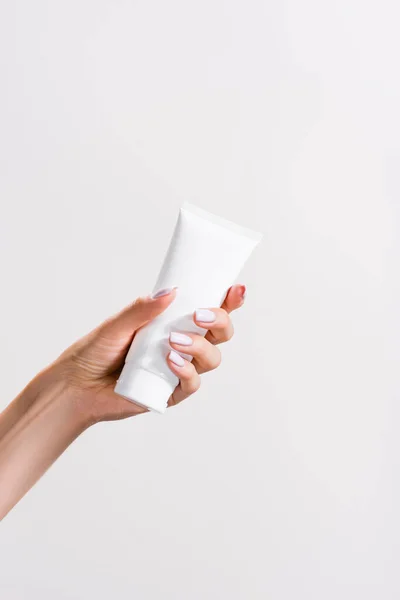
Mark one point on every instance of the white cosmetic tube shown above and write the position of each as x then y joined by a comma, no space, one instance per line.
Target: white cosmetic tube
205,255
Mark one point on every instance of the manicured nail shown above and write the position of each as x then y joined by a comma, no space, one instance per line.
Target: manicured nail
162,292
203,315
176,358
242,291
180,338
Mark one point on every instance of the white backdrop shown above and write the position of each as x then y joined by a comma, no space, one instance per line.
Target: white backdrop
280,478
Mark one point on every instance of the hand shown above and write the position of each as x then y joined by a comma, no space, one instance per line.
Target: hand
92,365
77,390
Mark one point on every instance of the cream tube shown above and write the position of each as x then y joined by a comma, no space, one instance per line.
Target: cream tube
205,255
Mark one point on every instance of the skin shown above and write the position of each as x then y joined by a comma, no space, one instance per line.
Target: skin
77,390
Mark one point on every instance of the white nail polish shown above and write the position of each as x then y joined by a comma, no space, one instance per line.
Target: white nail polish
180,338
176,358
203,315
162,292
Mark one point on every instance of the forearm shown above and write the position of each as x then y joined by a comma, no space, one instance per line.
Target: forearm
34,431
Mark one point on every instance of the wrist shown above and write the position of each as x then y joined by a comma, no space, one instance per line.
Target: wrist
35,429
53,387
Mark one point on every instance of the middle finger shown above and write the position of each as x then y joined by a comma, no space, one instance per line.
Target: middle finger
218,323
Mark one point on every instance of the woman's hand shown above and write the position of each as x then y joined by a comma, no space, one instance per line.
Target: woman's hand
77,390
92,365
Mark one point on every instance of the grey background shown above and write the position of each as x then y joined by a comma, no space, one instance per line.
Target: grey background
279,479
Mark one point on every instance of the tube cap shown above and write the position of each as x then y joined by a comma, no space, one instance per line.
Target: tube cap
144,388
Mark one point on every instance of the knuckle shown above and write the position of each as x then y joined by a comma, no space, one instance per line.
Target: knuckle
229,334
216,360
193,385
224,317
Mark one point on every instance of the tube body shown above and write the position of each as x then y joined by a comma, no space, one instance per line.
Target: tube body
205,255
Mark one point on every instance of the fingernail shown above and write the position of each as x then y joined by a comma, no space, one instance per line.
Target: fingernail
180,338
162,292
203,315
242,291
176,358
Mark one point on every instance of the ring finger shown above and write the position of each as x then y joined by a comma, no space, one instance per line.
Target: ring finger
206,356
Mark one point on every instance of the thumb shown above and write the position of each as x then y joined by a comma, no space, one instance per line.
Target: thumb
123,325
